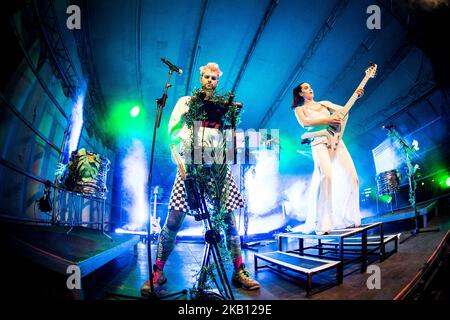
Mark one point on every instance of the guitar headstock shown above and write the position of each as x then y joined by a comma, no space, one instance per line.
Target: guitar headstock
372,70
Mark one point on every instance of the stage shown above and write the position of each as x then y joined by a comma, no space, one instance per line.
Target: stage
126,274
35,254
39,255
327,113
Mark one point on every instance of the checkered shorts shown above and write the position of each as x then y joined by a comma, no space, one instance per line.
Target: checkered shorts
178,196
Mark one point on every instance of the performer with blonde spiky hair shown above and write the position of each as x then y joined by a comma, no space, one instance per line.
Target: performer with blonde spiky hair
181,133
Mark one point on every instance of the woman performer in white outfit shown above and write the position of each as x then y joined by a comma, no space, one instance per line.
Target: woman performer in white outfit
335,182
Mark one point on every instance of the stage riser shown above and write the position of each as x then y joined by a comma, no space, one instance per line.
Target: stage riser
343,247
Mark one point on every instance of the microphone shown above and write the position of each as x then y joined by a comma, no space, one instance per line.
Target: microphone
230,102
172,66
388,127
230,99
238,105
202,95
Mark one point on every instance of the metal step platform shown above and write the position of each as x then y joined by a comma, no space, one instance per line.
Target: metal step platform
306,266
336,249
354,245
338,235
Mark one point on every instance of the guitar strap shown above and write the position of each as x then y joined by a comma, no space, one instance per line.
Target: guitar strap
330,105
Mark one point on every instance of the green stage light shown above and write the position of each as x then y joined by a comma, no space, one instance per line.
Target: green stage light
120,124
443,180
387,198
134,112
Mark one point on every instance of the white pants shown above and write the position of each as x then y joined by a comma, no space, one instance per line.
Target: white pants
335,191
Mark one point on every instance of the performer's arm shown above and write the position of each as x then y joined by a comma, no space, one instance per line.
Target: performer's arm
176,119
332,107
305,122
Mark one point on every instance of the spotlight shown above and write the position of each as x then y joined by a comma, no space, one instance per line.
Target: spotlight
444,181
387,198
415,145
134,112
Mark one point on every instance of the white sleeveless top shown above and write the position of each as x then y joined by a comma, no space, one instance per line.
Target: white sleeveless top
317,112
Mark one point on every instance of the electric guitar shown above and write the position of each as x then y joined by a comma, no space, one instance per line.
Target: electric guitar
334,133
156,222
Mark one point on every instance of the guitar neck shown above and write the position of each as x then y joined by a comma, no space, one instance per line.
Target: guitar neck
345,110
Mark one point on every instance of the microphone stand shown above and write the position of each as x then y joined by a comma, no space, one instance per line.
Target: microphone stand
233,121
212,239
407,149
161,102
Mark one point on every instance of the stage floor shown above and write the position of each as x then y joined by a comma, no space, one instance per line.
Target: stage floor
125,274
36,257
126,271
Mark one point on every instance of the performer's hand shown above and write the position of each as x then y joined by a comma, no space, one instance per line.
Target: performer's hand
360,93
238,105
334,120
